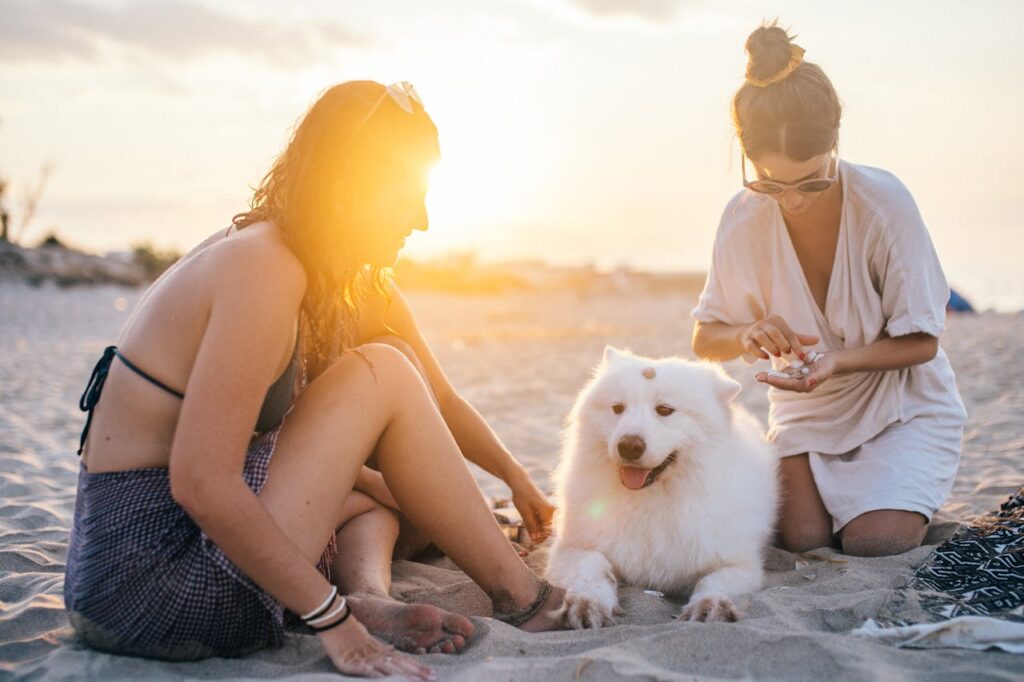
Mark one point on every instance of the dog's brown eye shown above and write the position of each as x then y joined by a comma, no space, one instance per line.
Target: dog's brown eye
618,408
664,410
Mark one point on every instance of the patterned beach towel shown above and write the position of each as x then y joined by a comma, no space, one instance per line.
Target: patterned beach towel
969,593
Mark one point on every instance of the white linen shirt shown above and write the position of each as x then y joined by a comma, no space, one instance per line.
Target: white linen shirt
886,280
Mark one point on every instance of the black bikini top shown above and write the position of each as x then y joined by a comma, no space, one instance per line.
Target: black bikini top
276,403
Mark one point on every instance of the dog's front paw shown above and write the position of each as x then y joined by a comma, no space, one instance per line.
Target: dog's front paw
710,608
579,612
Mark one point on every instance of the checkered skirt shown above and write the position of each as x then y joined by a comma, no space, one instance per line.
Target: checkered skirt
143,579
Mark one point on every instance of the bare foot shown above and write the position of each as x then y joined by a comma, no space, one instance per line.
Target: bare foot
416,628
549,616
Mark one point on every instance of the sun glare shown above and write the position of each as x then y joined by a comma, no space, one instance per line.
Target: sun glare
483,178
464,188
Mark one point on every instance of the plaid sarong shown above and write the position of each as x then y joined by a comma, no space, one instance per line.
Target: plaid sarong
143,579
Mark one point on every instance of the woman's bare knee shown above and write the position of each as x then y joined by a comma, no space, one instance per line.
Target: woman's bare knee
804,522
398,343
862,544
403,346
804,537
883,533
385,363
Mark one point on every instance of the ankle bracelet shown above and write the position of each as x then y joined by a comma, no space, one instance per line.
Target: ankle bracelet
517,618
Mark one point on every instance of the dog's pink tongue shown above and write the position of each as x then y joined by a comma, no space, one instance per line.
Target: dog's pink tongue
633,478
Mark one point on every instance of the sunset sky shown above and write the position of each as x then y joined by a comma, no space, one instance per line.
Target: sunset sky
571,130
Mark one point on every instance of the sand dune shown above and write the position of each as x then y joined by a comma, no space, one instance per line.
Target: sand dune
520,359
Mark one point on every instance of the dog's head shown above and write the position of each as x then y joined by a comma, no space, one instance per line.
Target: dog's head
646,414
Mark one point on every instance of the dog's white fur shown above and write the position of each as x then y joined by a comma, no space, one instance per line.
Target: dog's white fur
702,524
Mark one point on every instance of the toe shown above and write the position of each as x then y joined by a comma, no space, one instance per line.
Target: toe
459,625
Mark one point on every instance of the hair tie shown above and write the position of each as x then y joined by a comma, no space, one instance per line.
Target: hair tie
796,58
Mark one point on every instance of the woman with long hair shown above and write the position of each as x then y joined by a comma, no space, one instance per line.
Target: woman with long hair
820,254
223,482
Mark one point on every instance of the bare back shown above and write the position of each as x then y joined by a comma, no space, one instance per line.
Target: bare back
134,422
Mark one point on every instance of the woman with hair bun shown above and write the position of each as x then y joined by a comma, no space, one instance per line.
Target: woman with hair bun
223,479
826,264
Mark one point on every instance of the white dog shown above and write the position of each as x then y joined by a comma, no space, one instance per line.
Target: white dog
665,483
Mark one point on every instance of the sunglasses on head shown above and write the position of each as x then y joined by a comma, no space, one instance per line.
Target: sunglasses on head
806,186
402,93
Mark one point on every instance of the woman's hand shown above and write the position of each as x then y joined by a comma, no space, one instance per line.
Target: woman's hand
534,507
823,367
354,651
773,334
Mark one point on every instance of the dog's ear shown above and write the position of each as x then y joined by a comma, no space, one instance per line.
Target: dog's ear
611,354
726,387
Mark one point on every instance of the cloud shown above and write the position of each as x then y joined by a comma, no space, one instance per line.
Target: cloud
651,10
61,30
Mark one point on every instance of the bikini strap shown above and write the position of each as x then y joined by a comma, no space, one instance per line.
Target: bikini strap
156,382
93,389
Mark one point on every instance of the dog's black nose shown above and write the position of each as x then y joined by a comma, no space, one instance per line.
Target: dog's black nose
631,448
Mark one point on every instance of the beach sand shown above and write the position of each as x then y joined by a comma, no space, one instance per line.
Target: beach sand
519,358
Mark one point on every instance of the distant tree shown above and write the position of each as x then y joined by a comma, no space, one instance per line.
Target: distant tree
51,240
30,197
152,260
4,215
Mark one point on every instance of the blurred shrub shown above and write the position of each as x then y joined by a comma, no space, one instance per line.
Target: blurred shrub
51,240
152,260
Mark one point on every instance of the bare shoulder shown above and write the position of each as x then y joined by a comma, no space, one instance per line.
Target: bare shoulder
255,262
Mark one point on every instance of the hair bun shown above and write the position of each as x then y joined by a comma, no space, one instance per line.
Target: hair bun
769,49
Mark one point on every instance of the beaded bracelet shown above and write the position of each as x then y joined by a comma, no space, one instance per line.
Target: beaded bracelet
320,610
342,605
348,612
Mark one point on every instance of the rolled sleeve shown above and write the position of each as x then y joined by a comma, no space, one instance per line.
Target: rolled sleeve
731,286
913,287
712,304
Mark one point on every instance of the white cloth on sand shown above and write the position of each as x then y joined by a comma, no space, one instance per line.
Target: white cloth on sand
964,632
886,280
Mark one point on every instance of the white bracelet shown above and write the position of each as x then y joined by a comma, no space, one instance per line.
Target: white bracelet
323,619
323,606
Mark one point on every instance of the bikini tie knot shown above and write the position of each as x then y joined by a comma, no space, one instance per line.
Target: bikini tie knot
93,389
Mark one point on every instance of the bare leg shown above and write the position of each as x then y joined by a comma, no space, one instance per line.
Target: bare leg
883,533
374,399
362,571
365,545
804,522
369,542
411,541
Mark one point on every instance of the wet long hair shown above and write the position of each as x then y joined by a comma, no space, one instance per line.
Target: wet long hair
797,116
353,139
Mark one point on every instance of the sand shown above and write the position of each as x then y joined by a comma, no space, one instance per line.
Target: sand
520,359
